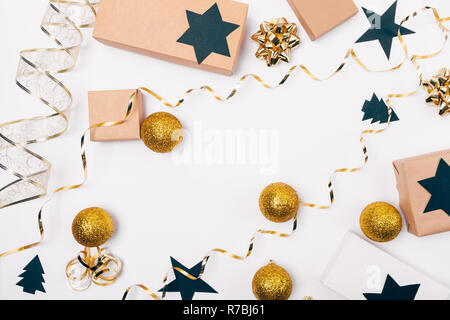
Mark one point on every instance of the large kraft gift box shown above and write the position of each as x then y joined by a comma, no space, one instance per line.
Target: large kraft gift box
205,34
423,183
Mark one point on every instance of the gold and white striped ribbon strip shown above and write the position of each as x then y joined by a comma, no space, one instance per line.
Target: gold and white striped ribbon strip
350,53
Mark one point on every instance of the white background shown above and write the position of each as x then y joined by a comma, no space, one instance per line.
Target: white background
162,209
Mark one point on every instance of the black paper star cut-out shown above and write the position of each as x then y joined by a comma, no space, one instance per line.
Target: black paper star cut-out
186,286
392,291
383,28
439,188
207,33
378,111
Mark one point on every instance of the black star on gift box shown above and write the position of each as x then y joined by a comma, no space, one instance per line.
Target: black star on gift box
392,291
185,286
439,188
383,28
208,33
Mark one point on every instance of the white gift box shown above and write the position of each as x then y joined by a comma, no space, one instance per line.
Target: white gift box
359,268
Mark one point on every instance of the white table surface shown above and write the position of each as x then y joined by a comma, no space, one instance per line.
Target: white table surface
163,208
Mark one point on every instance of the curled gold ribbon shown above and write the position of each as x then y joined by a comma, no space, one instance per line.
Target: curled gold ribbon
350,53
102,269
36,71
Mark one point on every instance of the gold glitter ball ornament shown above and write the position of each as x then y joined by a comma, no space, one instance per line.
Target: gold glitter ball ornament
161,132
279,202
92,227
272,282
380,221
276,39
438,89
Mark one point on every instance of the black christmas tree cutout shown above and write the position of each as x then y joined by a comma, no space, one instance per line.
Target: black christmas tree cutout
378,111
392,291
383,28
186,286
32,277
207,33
439,188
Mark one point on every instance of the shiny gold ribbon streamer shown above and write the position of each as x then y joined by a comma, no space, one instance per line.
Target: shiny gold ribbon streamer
102,269
350,53
35,75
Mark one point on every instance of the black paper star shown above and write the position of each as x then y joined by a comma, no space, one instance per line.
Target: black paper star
186,286
377,110
207,33
392,291
439,188
383,28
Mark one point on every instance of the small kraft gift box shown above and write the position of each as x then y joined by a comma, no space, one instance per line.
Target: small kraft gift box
205,34
423,184
321,16
110,106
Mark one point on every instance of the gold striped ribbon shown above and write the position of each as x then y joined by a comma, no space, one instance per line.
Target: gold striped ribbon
350,53
36,71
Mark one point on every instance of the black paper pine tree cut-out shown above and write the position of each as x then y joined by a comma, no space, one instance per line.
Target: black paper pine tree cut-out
32,277
377,110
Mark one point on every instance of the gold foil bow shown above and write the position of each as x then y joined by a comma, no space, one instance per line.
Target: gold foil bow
438,88
276,39
101,269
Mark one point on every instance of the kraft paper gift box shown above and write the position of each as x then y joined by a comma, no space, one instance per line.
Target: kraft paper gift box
112,105
423,184
320,16
361,271
205,34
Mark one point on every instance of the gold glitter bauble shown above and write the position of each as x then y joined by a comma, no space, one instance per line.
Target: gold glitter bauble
278,202
161,132
92,227
272,282
380,221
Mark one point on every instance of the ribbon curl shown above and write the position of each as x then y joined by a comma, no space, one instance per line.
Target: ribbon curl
438,88
102,269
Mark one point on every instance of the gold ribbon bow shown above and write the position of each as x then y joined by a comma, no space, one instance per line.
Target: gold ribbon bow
102,269
438,88
276,39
